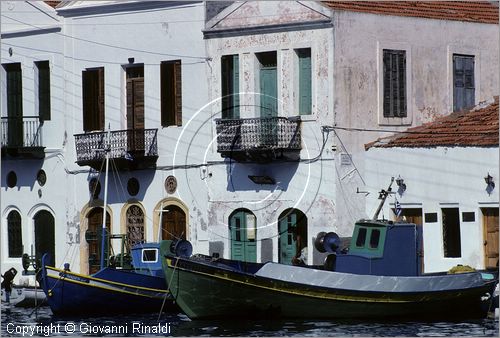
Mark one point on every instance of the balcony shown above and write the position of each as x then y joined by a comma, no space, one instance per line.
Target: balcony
259,139
22,137
130,149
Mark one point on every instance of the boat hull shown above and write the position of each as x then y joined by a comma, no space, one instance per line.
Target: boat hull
121,292
205,291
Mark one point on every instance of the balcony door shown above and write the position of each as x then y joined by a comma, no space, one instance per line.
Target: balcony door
135,110
14,105
268,80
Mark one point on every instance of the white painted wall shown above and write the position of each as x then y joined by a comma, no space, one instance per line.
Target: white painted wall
437,178
359,39
24,31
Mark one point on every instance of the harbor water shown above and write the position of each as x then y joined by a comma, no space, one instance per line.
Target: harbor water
19,322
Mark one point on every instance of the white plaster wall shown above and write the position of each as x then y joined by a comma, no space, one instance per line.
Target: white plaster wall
436,178
359,39
28,45
309,187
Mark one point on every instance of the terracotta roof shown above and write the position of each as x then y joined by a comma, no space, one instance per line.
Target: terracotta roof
477,127
470,11
53,3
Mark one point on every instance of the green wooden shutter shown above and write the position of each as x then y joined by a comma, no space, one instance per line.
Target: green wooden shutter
14,104
269,92
230,79
236,87
394,81
43,90
242,248
463,82
287,229
305,100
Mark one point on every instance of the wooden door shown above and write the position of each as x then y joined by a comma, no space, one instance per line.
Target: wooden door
173,223
490,229
243,236
45,235
287,238
135,110
135,226
94,238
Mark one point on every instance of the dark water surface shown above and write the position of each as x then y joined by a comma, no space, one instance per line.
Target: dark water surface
15,321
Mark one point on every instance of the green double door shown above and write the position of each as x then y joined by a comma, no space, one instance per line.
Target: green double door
292,227
243,232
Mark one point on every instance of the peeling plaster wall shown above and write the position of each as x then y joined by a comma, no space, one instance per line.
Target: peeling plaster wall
307,187
438,178
429,44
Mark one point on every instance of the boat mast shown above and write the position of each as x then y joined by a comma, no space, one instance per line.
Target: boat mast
382,196
103,236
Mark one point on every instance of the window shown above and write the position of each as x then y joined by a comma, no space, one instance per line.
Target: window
268,84
469,216
451,232
360,240
93,99
305,101
374,238
43,90
230,82
171,93
431,217
463,82
394,83
149,255
14,234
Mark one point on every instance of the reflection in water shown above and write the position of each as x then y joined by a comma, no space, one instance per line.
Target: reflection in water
180,325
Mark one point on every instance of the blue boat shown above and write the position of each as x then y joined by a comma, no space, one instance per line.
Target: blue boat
112,290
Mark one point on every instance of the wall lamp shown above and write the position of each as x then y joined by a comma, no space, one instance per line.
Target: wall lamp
490,184
401,185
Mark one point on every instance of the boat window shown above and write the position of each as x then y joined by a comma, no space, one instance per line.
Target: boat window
360,241
149,255
374,238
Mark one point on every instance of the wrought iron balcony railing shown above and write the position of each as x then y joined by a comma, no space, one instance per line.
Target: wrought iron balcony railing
254,138
131,148
22,137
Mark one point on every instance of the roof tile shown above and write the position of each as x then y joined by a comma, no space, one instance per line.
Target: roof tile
476,127
469,11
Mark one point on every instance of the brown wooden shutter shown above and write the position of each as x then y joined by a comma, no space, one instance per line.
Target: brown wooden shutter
100,99
93,99
171,93
87,100
178,93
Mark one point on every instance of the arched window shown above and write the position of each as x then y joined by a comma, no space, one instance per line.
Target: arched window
14,234
243,234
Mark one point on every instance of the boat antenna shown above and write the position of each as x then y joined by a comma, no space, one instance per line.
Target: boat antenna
107,149
382,195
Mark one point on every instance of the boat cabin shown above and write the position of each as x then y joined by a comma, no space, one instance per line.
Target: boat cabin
382,248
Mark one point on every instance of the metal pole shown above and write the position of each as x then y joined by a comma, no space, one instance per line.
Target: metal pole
103,239
383,195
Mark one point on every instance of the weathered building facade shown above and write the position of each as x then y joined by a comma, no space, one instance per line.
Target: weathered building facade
33,133
447,172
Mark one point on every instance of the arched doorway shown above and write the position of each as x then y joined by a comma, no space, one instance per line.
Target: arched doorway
173,222
14,230
93,236
292,229
45,241
135,225
243,234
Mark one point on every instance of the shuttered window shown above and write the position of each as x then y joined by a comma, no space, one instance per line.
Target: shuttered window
463,82
394,83
14,104
304,81
93,99
43,90
230,83
171,93
14,234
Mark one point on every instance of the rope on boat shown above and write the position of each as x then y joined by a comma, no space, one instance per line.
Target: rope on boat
166,295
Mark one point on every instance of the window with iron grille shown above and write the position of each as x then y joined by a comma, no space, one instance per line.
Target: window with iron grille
43,69
463,82
171,93
394,83
230,79
14,234
93,99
